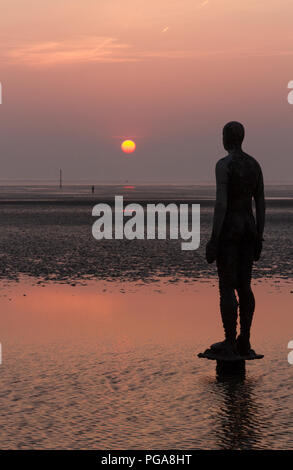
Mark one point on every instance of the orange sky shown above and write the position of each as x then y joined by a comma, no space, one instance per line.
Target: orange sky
79,76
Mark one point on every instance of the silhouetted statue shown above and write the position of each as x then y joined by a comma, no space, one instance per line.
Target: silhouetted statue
236,239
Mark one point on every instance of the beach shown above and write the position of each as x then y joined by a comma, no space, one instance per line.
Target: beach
100,338
46,233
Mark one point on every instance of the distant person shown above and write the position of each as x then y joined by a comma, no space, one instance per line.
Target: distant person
93,189
236,239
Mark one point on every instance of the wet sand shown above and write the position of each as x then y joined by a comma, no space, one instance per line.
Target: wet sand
114,366
50,241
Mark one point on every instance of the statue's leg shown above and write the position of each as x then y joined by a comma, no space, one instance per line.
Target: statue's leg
246,297
227,262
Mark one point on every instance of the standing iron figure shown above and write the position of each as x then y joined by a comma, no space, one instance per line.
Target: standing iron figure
236,239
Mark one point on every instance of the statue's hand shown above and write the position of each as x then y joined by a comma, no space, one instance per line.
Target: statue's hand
211,251
257,249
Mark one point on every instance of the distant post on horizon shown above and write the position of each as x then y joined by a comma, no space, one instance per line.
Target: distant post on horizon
60,178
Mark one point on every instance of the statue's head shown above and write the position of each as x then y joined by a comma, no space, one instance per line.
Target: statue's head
233,135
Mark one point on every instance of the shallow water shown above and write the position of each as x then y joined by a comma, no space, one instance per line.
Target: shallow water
113,365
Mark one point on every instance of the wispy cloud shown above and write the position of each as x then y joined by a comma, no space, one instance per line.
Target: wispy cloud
109,50
86,49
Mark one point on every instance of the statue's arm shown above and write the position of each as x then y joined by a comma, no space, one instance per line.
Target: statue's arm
260,207
219,211
221,200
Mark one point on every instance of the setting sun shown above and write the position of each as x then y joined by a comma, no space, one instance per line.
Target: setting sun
128,146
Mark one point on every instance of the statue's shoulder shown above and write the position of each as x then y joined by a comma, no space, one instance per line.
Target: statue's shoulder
253,162
222,167
224,161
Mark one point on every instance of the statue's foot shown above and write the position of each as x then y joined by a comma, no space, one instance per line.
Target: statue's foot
253,355
243,346
224,347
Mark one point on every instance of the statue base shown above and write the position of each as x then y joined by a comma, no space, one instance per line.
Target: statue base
229,364
217,356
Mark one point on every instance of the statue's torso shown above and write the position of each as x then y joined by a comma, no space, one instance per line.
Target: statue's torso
242,179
